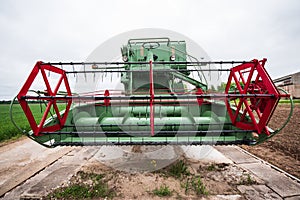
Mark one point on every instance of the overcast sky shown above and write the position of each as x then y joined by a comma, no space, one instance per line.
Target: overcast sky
60,30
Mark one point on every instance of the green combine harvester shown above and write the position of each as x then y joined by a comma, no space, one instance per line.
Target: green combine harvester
164,99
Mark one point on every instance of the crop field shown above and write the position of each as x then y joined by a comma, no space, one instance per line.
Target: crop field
7,128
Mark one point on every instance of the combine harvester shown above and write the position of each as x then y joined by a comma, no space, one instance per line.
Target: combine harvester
164,99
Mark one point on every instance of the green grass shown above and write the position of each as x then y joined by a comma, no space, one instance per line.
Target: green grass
198,186
98,188
178,169
8,130
189,181
247,180
195,184
163,191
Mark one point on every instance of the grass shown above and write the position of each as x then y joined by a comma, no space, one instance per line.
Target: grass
198,186
178,169
195,184
75,190
8,130
163,191
247,180
97,188
189,181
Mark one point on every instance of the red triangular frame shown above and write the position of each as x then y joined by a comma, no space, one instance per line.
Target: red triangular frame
51,93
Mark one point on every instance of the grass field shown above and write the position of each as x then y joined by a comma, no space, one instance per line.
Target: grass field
7,129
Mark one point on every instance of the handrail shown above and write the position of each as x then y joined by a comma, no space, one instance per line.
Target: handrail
142,40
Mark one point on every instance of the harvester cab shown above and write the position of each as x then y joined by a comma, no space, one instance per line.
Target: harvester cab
168,77
165,99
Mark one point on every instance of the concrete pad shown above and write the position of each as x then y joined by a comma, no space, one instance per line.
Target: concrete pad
275,180
237,156
227,197
22,159
152,152
53,176
134,158
258,192
205,153
109,153
292,198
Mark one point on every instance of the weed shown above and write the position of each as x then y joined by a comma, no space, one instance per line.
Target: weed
163,191
247,181
75,190
195,184
199,187
211,167
179,169
90,176
80,190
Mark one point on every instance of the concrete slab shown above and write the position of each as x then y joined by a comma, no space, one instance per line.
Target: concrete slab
275,180
226,197
258,192
292,198
205,153
22,159
234,154
138,158
53,176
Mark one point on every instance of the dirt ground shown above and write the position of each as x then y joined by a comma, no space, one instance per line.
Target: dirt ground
200,180
283,150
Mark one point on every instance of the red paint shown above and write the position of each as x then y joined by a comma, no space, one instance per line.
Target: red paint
252,78
37,128
199,99
106,101
151,91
